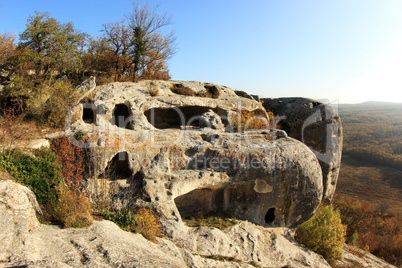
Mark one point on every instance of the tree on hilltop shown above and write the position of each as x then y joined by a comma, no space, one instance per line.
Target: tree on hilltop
158,47
51,46
135,46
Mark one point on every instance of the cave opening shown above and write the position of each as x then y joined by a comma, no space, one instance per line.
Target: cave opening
88,114
176,117
196,201
270,216
119,167
200,201
121,116
212,91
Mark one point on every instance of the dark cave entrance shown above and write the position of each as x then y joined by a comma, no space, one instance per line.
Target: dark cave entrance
200,201
176,117
88,113
119,167
270,216
121,116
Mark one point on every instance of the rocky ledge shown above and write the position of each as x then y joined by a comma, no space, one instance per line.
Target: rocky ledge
26,242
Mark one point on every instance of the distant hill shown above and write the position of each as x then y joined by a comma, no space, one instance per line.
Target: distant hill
371,103
379,103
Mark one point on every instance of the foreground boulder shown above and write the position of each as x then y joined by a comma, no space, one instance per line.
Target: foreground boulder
17,219
181,148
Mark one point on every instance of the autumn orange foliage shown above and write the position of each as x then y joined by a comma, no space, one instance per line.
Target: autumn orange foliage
73,208
70,159
148,225
375,231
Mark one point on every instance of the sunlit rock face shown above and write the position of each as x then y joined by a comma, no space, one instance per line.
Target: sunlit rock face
319,127
178,147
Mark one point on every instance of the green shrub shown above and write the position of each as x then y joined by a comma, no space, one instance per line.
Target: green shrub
124,218
143,222
324,233
40,173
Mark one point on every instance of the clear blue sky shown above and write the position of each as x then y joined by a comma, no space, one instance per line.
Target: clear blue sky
346,50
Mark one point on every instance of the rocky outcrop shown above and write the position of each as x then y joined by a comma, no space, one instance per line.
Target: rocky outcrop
179,152
319,127
87,86
27,243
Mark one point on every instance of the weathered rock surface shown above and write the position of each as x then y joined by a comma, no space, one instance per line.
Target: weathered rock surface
36,144
319,127
86,87
177,153
17,218
27,243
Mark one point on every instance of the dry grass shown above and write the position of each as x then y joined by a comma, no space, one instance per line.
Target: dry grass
210,91
153,90
230,259
15,132
380,186
6,176
246,120
217,220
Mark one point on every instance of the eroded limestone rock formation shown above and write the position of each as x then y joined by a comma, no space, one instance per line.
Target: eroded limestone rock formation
319,127
176,147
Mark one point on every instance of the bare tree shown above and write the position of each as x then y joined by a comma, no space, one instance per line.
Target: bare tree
120,41
134,46
158,47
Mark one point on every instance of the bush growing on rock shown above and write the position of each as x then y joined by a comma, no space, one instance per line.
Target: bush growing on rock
50,102
143,222
40,173
73,208
148,225
124,218
54,177
324,233
246,120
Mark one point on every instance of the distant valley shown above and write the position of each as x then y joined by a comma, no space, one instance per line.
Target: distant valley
371,167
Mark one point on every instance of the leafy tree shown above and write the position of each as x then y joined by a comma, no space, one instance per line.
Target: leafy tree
51,46
117,45
139,49
46,48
